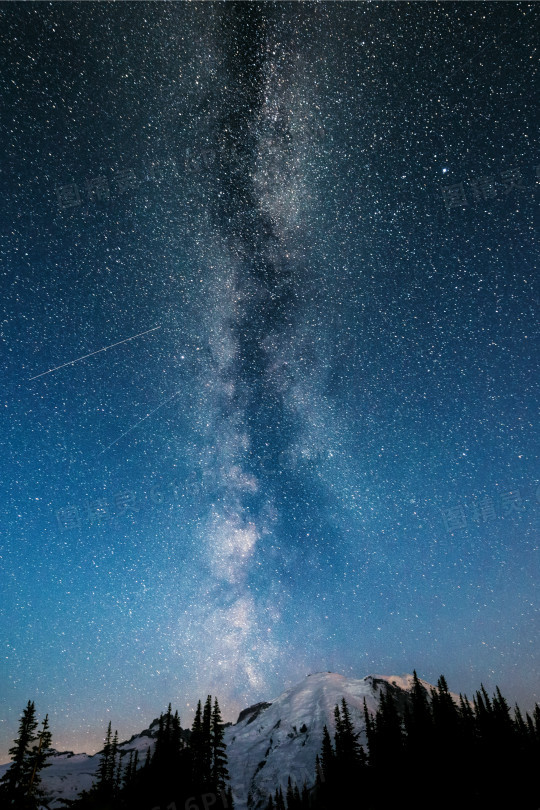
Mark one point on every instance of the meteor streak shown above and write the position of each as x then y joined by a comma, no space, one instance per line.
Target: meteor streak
71,362
139,422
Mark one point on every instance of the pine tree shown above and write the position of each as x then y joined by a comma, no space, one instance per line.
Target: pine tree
16,780
147,759
177,742
319,774
117,781
206,733
20,786
103,766
502,717
38,760
220,773
128,771
168,742
521,726
168,723
536,714
530,724
349,747
105,769
485,696
289,796
420,752
421,720
112,771
446,720
159,748
327,755
387,731
196,746
338,733
419,729
370,733
466,717
347,759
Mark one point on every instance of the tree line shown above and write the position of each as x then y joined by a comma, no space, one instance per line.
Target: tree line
186,769
425,750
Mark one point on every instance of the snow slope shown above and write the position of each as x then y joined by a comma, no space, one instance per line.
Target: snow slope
272,740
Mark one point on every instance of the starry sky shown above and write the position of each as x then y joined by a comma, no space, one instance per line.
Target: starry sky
268,335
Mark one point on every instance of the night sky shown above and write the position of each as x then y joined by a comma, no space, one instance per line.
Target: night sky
303,237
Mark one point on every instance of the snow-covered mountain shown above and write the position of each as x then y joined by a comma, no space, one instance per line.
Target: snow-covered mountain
268,742
273,740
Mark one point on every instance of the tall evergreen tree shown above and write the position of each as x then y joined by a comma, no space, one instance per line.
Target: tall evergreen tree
502,716
177,742
112,771
349,746
15,782
39,754
327,755
197,747
444,711
128,771
369,724
536,714
338,732
387,742
206,730
105,767
117,781
159,748
289,796
20,787
418,720
348,759
168,722
147,759
220,774
319,774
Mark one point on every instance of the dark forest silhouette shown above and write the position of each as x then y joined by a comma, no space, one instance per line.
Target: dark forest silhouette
426,751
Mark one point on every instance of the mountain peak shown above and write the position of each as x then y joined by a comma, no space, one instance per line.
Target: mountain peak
283,736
